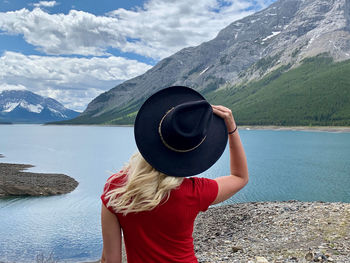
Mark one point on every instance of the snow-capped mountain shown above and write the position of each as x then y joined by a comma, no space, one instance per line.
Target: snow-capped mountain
23,106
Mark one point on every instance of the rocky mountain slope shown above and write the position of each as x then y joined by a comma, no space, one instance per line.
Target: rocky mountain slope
277,38
23,106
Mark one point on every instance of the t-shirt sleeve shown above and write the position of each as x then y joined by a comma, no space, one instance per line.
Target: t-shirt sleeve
116,180
206,191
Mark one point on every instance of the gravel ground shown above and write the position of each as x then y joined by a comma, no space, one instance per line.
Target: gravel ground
274,232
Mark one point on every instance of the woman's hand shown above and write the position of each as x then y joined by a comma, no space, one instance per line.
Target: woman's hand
226,114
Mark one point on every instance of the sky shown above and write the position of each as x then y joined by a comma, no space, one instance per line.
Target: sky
73,51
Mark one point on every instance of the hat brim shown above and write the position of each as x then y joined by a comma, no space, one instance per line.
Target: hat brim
157,154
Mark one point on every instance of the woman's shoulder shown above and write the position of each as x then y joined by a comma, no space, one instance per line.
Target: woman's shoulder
203,190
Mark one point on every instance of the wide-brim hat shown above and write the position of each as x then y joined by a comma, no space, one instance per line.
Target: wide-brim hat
177,133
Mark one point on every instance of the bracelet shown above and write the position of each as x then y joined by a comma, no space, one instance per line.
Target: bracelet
232,132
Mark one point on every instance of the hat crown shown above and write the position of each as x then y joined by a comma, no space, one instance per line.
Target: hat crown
185,126
187,123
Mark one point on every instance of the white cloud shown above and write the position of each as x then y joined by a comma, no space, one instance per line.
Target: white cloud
5,86
72,81
72,99
45,4
156,30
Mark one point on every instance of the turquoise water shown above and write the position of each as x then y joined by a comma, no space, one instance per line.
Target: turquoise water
283,165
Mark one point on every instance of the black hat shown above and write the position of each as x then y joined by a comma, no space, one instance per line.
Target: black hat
178,134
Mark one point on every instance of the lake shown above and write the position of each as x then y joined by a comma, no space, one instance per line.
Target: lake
283,165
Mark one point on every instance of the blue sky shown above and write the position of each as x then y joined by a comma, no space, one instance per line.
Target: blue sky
73,51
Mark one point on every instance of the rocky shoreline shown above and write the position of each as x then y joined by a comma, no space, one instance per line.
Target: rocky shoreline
15,182
336,129
278,232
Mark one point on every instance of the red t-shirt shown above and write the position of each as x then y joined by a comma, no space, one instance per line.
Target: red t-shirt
164,234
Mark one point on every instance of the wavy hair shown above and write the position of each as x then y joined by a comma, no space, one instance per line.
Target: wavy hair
143,188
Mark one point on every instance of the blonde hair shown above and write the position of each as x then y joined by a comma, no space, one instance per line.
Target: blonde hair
144,187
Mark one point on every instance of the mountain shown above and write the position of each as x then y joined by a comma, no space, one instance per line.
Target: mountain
23,106
268,44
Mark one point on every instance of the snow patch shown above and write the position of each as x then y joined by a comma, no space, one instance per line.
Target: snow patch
31,107
274,33
9,106
203,71
57,112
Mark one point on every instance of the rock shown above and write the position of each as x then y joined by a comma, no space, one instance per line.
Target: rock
236,249
309,256
319,257
261,260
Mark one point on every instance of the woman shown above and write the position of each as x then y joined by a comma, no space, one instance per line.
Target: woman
154,200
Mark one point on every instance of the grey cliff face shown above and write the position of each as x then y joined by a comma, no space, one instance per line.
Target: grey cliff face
283,34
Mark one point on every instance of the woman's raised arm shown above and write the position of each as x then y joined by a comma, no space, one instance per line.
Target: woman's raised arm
238,178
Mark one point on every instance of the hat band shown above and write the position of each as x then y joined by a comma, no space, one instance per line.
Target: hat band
167,145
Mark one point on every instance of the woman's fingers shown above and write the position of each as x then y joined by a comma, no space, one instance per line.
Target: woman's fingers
220,107
226,114
222,111
218,112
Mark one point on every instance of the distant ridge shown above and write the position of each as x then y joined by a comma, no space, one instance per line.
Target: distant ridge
23,106
253,55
